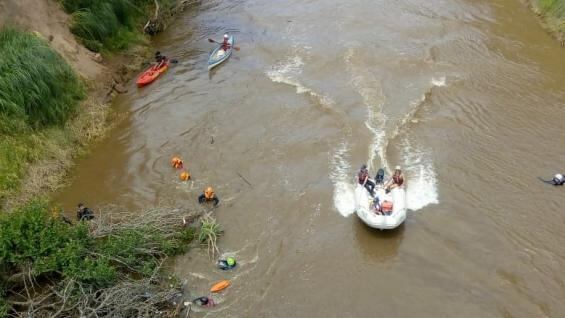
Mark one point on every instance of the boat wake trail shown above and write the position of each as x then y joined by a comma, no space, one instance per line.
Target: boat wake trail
422,185
418,165
370,89
417,162
287,72
341,176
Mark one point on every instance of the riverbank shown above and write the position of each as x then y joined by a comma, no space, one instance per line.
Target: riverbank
552,16
36,156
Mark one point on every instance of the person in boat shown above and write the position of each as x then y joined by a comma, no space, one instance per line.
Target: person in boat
377,205
209,196
204,301
84,213
397,179
160,59
380,177
363,178
225,45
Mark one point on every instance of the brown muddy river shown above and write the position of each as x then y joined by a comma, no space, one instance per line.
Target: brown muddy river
468,96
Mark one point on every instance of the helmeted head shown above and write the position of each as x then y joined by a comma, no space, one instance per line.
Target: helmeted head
231,261
558,176
184,176
209,193
363,166
226,36
380,176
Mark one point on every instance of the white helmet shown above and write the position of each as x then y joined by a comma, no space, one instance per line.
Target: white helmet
559,176
226,36
397,168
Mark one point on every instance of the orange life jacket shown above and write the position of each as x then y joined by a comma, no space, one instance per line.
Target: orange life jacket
386,206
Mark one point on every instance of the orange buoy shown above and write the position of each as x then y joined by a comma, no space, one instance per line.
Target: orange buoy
219,286
176,162
184,175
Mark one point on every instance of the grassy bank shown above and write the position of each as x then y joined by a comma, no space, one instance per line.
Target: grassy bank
39,92
92,268
553,14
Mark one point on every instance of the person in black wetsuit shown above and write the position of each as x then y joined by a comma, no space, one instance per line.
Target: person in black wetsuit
558,179
209,196
84,213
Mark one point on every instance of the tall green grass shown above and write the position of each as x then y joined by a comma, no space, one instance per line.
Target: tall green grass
107,24
37,87
38,90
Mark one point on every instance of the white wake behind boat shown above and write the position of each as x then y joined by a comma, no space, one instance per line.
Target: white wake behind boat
366,212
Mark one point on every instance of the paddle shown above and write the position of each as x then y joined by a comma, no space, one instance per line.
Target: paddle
212,41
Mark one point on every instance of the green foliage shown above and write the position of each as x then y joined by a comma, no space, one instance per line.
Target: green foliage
3,305
32,237
209,230
15,152
38,90
555,9
107,24
37,86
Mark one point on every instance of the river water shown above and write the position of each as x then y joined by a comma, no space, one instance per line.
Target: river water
467,96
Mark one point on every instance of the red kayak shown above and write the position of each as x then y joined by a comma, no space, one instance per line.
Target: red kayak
152,73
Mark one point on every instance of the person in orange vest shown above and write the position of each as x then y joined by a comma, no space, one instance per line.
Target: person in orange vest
208,196
177,163
397,179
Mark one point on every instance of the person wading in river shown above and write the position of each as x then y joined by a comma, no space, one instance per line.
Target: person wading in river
84,213
208,196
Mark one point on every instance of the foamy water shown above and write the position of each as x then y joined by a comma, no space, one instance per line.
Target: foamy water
418,165
421,183
342,178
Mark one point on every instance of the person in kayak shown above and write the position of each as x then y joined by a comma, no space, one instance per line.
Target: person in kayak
160,59
363,178
84,213
225,44
208,196
397,179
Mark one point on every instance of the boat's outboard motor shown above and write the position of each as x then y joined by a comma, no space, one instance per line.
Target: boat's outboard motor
380,177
